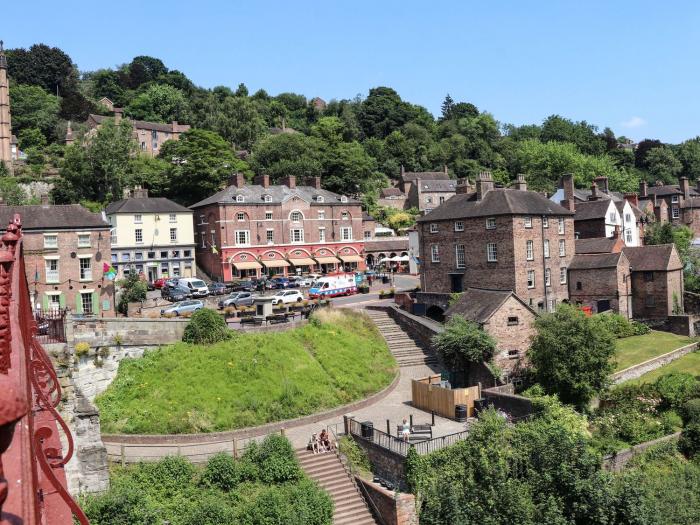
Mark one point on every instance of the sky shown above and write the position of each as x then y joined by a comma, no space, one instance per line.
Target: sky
629,65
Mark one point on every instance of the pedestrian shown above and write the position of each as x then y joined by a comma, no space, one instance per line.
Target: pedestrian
369,280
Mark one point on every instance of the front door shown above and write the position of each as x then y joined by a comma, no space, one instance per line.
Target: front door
152,274
456,283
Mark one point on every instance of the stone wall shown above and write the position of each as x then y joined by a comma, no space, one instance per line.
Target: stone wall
617,462
635,371
514,405
395,508
386,464
109,331
419,328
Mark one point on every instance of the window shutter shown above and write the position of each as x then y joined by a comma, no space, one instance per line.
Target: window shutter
62,300
78,303
95,303
45,302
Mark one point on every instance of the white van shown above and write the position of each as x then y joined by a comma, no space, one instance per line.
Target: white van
333,286
198,287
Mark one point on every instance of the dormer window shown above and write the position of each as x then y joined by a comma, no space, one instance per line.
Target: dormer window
267,198
319,198
240,198
343,198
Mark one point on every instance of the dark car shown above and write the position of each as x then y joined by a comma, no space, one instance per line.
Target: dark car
217,289
281,282
176,293
243,286
267,284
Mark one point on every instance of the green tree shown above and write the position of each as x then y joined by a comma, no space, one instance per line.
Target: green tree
668,233
572,355
10,191
33,107
144,69
31,138
206,327
663,165
463,343
133,289
288,154
159,103
581,134
383,111
689,155
238,120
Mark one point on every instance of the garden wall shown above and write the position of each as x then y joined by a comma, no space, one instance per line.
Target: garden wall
635,371
132,332
395,508
514,405
617,462
386,464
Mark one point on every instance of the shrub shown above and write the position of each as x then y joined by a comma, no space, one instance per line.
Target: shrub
619,326
82,348
691,411
221,472
275,459
206,327
354,454
120,505
689,442
462,343
677,388
133,289
295,504
209,510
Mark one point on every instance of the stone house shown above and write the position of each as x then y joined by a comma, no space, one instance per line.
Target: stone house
392,198
602,282
428,194
247,230
506,317
65,248
497,238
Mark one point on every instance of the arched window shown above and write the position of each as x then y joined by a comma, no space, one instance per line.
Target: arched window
296,216
343,198
240,216
345,215
240,198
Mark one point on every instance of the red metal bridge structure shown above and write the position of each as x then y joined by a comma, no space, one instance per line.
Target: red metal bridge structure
33,487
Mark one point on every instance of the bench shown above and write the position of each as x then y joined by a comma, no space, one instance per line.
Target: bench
276,318
418,432
257,321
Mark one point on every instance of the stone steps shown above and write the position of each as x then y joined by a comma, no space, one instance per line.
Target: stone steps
406,350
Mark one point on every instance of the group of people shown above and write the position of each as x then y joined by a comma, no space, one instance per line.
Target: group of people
321,442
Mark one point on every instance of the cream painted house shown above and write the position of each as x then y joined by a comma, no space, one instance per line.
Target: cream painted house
151,236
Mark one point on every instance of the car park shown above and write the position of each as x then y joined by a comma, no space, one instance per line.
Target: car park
281,282
182,307
243,286
266,284
217,289
304,282
175,294
287,297
197,287
237,299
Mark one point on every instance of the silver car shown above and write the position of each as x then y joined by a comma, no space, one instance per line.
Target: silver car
237,299
191,305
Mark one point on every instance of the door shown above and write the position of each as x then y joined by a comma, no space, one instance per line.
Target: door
603,305
456,283
152,274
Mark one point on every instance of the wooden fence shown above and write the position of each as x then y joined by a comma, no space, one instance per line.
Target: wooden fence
428,395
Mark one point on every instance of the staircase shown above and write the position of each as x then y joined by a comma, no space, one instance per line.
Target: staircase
406,350
328,471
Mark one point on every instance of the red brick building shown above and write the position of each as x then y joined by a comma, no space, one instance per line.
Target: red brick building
247,230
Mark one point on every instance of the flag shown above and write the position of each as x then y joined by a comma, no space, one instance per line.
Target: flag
214,250
109,271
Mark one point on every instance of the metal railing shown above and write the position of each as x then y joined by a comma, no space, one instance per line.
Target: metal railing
51,325
438,443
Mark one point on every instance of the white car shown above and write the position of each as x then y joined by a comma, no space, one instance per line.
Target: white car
304,282
287,296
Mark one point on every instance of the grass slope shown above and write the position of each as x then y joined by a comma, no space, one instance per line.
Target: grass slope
689,363
254,379
639,348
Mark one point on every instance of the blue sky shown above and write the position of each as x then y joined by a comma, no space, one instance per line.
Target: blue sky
632,66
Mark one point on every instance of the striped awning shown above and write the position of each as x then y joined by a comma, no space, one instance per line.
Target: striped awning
351,258
275,264
248,265
302,262
327,260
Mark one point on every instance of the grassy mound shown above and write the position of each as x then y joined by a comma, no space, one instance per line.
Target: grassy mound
639,348
254,379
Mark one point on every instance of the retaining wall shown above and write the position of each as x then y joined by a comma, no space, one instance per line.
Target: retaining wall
514,405
132,332
386,464
638,370
395,508
617,462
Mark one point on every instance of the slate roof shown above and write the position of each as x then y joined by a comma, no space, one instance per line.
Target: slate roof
620,205
142,124
52,217
438,185
658,257
595,261
668,189
411,176
693,202
388,244
253,194
590,210
595,245
479,304
391,192
582,195
146,205
499,201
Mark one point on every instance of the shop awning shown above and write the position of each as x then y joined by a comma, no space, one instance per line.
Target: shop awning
302,262
252,265
275,264
327,260
351,258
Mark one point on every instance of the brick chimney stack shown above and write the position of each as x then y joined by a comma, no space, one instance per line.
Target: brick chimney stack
463,186
316,183
644,188
567,184
444,169
632,198
520,183
602,183
140,193
263,180
484,184
118,115
290,181
237,180
594,192
684,185
616,232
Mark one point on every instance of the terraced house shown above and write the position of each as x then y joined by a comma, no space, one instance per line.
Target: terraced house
248,230
500,239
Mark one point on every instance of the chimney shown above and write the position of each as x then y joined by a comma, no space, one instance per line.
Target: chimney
594,192
140,193
126,193
632,198
616,232
685,187
567,184
290,181
403,171
44,199
237,180
463,186
118,115
602,183
569,204
444,169
315,182
520,183
484,184
644,187
262,180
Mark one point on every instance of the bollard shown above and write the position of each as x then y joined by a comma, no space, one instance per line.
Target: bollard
388,427
233,446
432,413
410,419
283,432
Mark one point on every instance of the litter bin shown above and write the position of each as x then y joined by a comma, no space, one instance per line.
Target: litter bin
461,413
385,279
367,429
479,405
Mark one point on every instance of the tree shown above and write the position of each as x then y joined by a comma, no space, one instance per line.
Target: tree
689,155
383,111
463,343
447,106
240,122
144,69
287,154
206,327
133,289
663,165
200,162
582,134
668,233
10,191
31,138
33,107
640,152
47,67
159,103
571,355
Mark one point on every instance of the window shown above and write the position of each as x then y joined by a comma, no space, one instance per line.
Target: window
172,217
267,198
138,256
85,269
319,198
213,238
242,237
674,199
203,236
628,235
531,278
138,218
441,200
176,271
579,286
83,240
138,236
649,301
368,235
547,277
163,255
154,135
546,248
459,256
113,257
346,234
528,222
435,253
151,255
240,198
345,216
295,216
613,217
491,252
268,215
675,213
562,275
628,218
649,277
459,226
429,200
113,236
297,235
50,241
530,250
561,225
173,234
562,248
54,300
175,254
270,236
52,271
143,146
512,321
187,253
321,215
433,228
491,223
545,222
240,216
321,235
86,303
343,198
126,257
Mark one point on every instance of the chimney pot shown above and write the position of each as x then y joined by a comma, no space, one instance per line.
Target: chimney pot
463,186
484,184
520,182
262,180
643,188
290,181
602,183
594,192
237,180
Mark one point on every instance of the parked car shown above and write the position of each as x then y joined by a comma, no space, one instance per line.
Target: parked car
281,282
170,282
237,299
217,288
293,282
267,284
304,282
287,296
243,286
158,283
175,294
198,287
191,305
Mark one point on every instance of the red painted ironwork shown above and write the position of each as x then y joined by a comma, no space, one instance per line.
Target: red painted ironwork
33,488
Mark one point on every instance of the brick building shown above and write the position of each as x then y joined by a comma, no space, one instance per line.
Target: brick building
65,247
504,239
602,282
424,190
247,230
508,319
657,281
